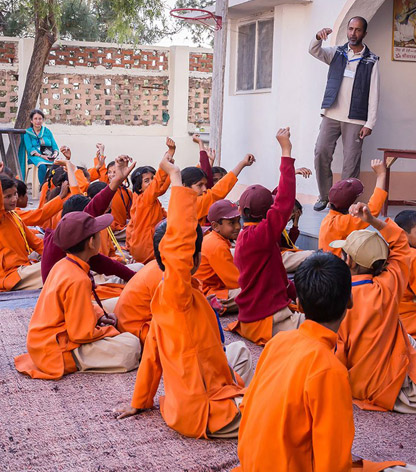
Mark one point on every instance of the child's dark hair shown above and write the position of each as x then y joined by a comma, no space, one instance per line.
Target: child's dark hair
95,188
111,164
298,205
85,172
55,175
7,183
247,218
137,177
75,203
7,171
323,286
192,175
36,111
78,247
406,219
219,170
343,211
21,188
160,232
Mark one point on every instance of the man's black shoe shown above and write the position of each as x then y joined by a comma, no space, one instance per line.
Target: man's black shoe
320,205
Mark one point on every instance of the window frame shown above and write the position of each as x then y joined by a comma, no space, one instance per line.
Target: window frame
249,21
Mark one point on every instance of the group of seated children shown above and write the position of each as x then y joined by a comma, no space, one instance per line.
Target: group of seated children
127,285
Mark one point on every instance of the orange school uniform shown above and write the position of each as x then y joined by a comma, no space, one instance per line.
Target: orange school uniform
407,307
120,208
184,341
133,307
40,216
146,213
372,343
287,424
217,271
218,192
17,241
336,225
64,318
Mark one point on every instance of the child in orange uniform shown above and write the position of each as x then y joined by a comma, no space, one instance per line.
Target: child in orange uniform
18,271
133,307
66,333
120,205
184,341
146,211
217,271
372,342
407,309
297,416
338,223
196,179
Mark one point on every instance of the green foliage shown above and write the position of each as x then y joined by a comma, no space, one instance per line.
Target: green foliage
198,33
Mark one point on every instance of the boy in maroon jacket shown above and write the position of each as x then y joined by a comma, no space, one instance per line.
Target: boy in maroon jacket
265,289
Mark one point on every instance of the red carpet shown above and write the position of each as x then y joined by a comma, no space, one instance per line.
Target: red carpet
68,425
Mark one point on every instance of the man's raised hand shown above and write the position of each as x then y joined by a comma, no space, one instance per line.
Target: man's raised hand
323,34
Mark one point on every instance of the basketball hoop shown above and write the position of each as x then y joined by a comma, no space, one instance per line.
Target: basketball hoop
198,15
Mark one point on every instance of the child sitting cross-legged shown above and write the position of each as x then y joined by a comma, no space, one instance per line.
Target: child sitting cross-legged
266,292
67,333
407,309
297,414
217,271
184,344
372,342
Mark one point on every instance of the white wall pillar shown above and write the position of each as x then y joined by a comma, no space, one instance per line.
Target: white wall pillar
178,89
24,55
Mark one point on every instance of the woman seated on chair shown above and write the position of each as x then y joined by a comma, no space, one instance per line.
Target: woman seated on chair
40,145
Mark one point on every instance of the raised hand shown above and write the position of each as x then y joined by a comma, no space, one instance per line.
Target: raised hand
1,167
64,190
378,166
283,138
323,34
196,138
361,210
249,160
211,155
304,172
170,143
122,167
66,152
100,149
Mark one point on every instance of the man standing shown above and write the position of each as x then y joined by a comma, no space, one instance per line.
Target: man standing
349,105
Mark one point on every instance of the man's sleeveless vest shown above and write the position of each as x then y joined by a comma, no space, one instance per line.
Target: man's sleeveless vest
361,87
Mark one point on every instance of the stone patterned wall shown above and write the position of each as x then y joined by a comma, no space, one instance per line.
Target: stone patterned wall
123,95
8,52
200,62
105,100
8,95
198,103
108,57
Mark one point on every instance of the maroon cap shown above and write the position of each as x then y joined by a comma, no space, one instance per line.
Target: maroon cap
223,210
257,199
344,193
76,226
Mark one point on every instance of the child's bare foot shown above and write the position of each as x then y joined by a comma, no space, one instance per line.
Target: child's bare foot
283,137
170,143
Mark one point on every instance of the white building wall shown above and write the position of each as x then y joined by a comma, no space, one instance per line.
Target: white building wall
251,120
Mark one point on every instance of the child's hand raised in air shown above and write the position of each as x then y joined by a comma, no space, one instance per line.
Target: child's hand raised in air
168,165
64,190
122,169
283,137
211,155
66,152
248,160
100,149
361,210
304,172
378,166
170,143
1,167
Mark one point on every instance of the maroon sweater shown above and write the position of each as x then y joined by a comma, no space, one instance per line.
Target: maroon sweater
265,288
100,263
